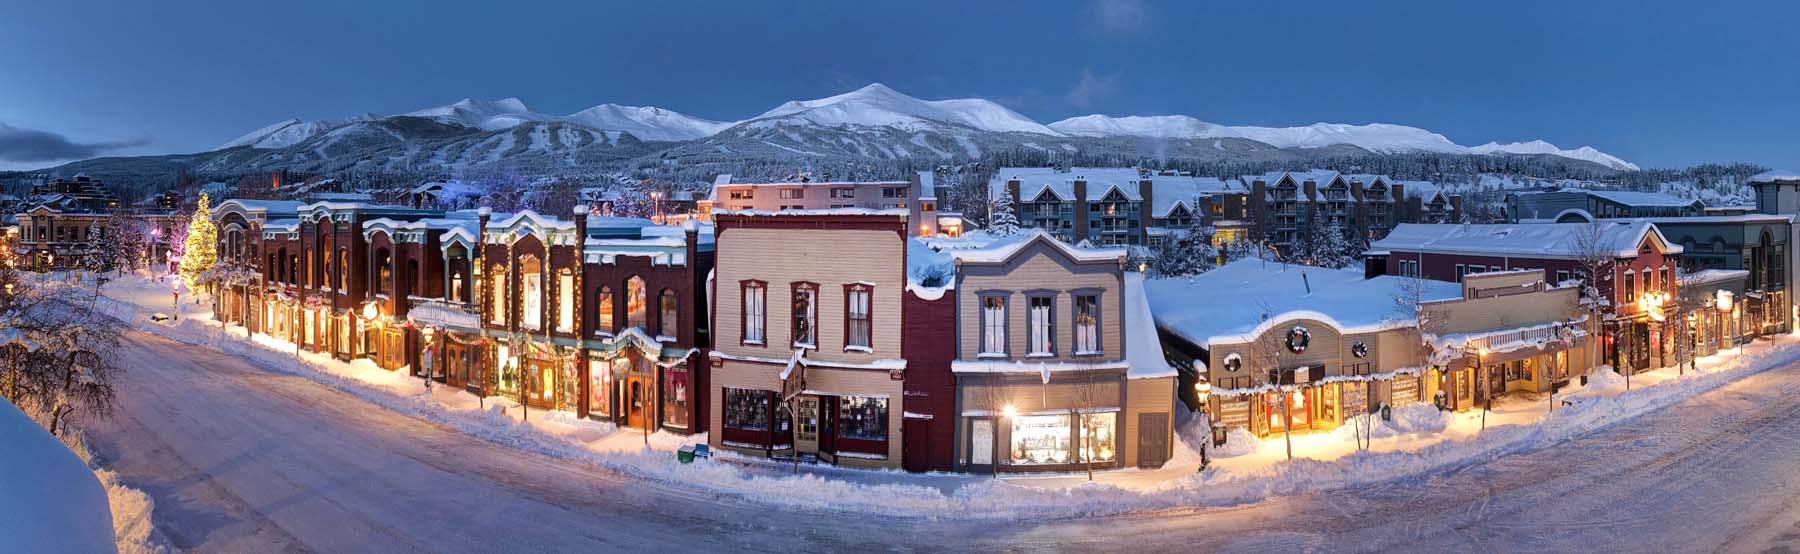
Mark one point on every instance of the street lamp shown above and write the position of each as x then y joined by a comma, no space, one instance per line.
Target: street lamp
656,206
176,288
1487,384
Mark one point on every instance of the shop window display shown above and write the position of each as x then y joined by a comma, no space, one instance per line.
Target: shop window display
1041,439
675,397
746,409
863,417
1098,442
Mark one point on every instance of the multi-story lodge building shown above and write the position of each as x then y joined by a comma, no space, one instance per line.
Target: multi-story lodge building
1638,282
61,224
1131,206
1574,205
918,196
1311,347
1057,363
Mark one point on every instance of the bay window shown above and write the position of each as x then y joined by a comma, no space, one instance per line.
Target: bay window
858,328
806,315
755,319
993,325
1042,326
1087,324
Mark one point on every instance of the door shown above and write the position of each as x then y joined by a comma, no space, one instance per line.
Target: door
981,444
636,403
916,449
806,435
828,406
1153,440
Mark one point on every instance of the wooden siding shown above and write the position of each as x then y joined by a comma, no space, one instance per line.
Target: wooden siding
1036,271
830,257
1147,396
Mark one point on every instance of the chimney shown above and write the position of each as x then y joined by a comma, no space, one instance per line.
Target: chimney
1456,208
1081,201
1012,188
1259,201
580,214
1147,193
1399,214
1311,188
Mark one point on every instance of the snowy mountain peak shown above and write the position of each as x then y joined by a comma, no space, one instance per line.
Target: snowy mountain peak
1587,153
647,122
1155,126
876,105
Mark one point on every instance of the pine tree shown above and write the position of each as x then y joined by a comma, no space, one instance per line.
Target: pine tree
200,252
1002,221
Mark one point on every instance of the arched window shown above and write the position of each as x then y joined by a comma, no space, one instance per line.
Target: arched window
531,292
603,311
343,273
384,271
668,315
637,306
497,301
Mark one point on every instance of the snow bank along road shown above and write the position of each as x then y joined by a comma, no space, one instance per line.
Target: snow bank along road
244,460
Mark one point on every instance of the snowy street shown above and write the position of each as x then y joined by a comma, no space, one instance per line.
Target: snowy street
242,459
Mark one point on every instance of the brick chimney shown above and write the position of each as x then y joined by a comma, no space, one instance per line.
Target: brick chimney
1081,201
1456,215
1399,214
1147,193
1012,188
1259,202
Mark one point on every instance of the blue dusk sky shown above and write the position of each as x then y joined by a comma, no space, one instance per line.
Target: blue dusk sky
1659,83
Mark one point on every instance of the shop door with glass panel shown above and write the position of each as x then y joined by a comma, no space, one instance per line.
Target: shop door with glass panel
806,436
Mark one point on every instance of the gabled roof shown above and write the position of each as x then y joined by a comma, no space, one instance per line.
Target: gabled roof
1527,240
1003,250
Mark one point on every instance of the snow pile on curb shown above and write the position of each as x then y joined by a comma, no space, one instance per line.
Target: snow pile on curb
992,498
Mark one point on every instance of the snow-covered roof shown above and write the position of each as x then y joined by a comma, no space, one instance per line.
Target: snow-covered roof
1531,240
1633,198
335,205
1034,180
1427,191
1716,219
1142,349
816,212
1005,248
1776,176
1168,191
1709,276
927,185
288,207
54,502
927,264
285,225
1264,294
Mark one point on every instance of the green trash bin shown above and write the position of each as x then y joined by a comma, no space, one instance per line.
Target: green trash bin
686,454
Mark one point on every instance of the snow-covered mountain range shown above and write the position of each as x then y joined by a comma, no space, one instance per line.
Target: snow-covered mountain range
1375,137
873,122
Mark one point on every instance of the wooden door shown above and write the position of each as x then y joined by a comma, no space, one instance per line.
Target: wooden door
828,406
1153,440
637,400
916,448
806,435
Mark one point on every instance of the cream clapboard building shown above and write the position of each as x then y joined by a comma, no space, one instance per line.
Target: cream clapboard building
808,303
1057,363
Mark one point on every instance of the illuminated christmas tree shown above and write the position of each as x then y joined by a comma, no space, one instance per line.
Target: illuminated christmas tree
200,253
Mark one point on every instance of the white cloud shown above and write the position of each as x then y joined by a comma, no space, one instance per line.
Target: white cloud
1119,16
1091,87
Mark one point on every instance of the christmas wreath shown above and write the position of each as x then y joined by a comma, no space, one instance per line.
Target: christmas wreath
1297,339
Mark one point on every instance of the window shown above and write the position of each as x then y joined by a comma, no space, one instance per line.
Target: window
531,293
675,396
1097,441
745,194
1630,286
843,193
1562,276
603,310
858,328
1649,280
1042,327
1667,284
668,316
1460,269
993,325
565,302
1041,439
343,274
599,387
384,272
806,315
755,296
1087,324
637,307
893,192
497,300
793,194
746,409
863,417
